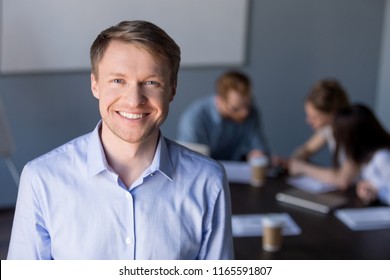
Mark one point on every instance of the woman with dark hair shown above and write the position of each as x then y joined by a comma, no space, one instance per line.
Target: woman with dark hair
364,141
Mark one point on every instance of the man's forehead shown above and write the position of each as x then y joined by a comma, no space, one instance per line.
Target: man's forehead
234,96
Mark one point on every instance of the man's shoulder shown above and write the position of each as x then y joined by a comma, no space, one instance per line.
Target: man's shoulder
64,153
201,112
188,157
202,104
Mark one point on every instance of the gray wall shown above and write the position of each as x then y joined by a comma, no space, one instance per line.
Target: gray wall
383,98
291,44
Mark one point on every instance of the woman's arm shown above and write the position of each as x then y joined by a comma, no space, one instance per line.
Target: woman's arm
341,177
310,147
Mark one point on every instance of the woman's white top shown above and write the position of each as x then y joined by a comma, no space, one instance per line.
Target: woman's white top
377,173
327,133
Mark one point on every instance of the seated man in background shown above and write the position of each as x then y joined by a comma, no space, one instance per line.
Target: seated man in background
228,122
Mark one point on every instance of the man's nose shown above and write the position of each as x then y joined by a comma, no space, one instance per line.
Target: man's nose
244,112
134,95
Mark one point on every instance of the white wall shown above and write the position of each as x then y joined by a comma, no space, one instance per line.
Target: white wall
46,35
383,96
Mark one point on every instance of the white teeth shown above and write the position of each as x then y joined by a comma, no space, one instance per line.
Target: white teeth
131,116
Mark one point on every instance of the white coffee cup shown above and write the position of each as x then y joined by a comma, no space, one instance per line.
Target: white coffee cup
272,225
258,170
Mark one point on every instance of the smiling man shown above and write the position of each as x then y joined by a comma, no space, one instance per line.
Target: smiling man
124,191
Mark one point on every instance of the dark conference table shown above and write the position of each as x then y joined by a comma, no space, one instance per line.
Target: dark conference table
323,237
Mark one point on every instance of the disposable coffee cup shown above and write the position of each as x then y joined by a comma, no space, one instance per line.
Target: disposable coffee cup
272,225
258,170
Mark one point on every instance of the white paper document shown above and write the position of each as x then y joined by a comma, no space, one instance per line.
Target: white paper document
246,225
369,218
237,171
310,184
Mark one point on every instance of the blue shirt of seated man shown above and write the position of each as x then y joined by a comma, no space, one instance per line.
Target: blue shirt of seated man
227,139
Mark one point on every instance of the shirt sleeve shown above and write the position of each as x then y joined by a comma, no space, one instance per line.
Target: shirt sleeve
384,194
218,239
384,183
188,128
29,238
380,177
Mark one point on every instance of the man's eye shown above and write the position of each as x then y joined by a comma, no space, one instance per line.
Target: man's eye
118,81
151,83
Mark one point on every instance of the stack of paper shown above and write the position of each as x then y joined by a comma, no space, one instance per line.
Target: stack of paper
309,184
369,218
250,225
237,171
240,171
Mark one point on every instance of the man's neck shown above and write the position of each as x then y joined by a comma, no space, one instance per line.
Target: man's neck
129,160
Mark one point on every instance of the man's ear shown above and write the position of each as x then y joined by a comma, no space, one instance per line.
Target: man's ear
173,92
94,86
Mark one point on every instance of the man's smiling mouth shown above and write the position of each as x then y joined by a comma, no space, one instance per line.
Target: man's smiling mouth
132,116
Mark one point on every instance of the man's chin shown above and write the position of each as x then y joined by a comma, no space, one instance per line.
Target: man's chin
239,120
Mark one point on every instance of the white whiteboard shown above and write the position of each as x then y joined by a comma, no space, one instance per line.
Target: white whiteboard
55,35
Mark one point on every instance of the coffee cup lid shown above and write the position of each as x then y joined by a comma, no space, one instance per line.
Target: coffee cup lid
259,161
272,220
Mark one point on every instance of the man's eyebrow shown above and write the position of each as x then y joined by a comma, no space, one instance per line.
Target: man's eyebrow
155,76
116,74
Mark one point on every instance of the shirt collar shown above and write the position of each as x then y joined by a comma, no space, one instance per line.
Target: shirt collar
97,162
165,163
161,161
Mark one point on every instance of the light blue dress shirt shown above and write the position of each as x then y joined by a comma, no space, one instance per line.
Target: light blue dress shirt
377,172
72,205
228,140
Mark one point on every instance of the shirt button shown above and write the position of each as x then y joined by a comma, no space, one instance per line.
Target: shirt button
128,195
128,240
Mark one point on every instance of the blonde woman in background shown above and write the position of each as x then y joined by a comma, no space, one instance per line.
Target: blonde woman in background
325,99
